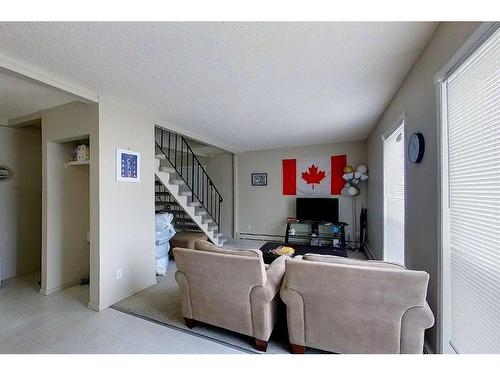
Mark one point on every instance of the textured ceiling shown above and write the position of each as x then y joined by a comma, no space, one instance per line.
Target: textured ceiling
19,97
242,85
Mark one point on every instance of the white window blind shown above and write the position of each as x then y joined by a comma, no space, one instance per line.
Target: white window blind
394,196
473,217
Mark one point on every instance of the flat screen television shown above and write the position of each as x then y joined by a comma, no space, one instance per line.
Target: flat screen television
317,209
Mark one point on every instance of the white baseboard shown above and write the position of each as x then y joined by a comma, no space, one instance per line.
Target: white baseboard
97,308
58,288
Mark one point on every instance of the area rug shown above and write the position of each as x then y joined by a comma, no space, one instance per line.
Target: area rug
161,304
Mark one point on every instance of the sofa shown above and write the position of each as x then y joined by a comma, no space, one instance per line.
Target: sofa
229,288
352,306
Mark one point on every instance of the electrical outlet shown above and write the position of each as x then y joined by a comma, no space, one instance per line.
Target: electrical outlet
119,273
249,227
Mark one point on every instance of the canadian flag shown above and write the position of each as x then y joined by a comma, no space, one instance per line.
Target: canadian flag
314,177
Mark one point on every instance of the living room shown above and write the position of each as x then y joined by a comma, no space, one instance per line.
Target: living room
249,187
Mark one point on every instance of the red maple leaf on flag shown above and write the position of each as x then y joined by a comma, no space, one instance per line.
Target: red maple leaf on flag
313,176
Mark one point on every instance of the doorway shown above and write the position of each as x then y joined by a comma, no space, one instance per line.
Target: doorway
394,194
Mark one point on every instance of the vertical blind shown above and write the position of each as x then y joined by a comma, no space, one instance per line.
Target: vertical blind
473,108
394,196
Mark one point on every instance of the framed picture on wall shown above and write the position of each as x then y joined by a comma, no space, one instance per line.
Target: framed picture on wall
128,165
259,179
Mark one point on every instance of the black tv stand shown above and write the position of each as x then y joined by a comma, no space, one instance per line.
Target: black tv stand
305,236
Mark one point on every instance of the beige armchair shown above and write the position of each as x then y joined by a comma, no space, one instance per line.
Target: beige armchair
353,306
228,288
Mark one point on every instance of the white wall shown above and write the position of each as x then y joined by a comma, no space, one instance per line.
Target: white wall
20,201
70,198
220,170
263,210
417,99
126,209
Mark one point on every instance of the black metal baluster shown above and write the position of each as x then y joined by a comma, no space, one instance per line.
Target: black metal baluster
169,147
175,153
182,157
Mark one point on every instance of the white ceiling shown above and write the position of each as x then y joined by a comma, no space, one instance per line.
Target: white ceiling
19,97
243,85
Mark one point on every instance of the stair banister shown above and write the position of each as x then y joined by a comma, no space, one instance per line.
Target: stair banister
211,190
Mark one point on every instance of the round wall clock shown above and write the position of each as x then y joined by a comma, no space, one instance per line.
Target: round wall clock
416,147
4,173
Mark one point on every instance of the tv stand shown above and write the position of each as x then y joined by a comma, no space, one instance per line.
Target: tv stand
292,234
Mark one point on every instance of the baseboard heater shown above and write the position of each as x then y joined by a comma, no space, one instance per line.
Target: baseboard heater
261,237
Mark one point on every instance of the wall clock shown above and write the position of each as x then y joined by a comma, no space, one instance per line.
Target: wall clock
416,147
4,172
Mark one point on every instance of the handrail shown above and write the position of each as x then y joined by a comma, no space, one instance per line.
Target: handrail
201,166
208,190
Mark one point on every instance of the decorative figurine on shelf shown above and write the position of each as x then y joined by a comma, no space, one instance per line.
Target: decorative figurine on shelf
352,179
81,153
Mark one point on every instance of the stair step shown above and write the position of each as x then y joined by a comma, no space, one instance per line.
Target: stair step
177,181
200,211
160,156
162,193
167,169
206,220
183,221
194,204
221,241
169,205
185,193
213,226
218,235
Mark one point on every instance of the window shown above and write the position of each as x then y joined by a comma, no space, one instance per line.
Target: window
394,195
471,202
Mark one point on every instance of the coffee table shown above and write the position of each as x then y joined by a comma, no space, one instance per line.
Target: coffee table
300,249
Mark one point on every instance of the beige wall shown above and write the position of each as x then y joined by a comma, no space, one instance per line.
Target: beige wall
126,209
20,202
416,98
121,214
70,198
68,218
220,170
263,210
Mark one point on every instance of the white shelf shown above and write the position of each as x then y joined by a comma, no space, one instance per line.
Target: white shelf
75,163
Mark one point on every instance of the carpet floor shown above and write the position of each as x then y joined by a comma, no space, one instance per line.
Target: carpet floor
160,303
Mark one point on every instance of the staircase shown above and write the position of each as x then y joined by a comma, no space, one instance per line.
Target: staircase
183,187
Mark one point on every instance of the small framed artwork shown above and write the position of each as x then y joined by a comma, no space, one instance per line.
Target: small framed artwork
259,179
128,165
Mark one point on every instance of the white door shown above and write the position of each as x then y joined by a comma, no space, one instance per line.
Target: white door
471,203
394,195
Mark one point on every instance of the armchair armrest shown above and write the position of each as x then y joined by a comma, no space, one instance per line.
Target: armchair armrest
420,316
413,324
275,273
264,300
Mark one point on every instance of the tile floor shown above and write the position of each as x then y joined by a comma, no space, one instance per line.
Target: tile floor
61,323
